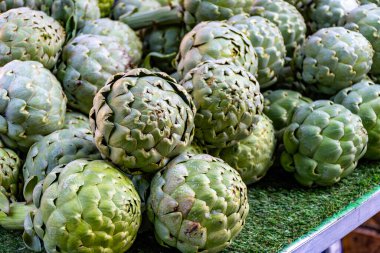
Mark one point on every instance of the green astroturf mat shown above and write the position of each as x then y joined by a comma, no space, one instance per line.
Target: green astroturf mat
280,212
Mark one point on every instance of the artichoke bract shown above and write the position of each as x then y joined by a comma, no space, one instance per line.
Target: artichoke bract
6,5
141,119
27,34
323,143
87,62
366,20
88,206
280,105
122,32
10,184
198,203
71,13
252,157
75,120
333,59
162,45
363,99
214,41
269,45
328,13
228,102
60,147
286,17
32,104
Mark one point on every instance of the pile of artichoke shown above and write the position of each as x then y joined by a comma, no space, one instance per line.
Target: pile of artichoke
119,118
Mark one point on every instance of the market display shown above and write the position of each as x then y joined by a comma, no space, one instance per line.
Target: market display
122,119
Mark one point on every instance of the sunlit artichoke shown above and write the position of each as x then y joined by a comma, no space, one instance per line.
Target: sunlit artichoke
60,147
74,120
125,35
87,206
269,45
141,119
323,143
286,17
280,105
253,156
213,41
333,59
198,203
87,62
228,102
10,183
26,34
363,99
32,104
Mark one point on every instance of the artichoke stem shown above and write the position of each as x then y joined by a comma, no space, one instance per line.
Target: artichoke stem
15,219
162,16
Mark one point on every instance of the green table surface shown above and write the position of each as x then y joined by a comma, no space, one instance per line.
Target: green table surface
281,212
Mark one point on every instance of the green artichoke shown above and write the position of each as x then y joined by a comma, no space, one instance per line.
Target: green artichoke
26,35
198,203
141,119
10,183
269,45
87,62
125,35
228,102
253,156
162,44
328,13
363,99
6,5
213,41
74,120
286,17
280,105
333,59
84,206
32,104
323,143
71,13
60,147
366,20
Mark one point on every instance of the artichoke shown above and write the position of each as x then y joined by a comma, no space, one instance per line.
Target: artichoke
163,44
198,203
286,17
323,143
253,156
333,59
141,119
86,206
32,104
228,102
125,35
366,20
74,120
280,105
363,99
6,5
26,34
71,13
60,147
213,41
10,184
87,62
269,45
328,13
